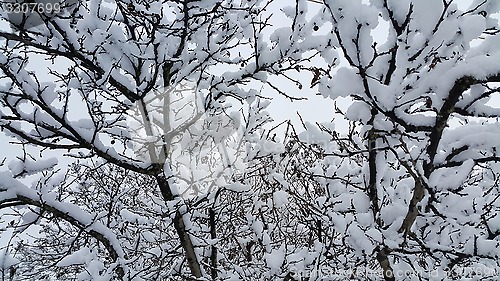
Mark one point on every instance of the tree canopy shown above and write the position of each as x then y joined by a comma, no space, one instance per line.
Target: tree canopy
168,165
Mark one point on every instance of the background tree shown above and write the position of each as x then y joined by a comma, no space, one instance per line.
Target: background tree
424,201
103,58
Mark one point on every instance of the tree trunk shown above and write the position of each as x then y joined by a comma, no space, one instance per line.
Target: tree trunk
180,227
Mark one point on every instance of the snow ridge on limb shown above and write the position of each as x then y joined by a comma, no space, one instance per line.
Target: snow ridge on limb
14,193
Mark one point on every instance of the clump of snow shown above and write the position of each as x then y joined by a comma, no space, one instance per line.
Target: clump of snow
237,187
494,223
30,167
471,27
344,83
81,256
133,218
358,111
274,260
280,198
359,238
451,178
